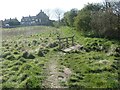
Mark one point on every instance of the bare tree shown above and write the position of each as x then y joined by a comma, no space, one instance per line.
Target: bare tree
115,8
58,14
48,12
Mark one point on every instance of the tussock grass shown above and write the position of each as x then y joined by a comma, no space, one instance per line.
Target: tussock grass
95,66
21,66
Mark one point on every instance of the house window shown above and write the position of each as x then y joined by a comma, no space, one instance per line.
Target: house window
22,20
36,20
22,23
40,20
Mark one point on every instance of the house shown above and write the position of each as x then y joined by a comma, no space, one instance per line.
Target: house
31,20
40,19
7,23
1,23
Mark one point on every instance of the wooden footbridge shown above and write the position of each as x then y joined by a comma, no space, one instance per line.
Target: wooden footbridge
65,42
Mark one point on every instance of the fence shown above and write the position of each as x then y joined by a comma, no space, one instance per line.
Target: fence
66,40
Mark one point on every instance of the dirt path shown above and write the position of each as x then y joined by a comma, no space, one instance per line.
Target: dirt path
53,75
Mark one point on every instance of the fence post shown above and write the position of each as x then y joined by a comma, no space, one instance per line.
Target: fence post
72,40
67,42
59,42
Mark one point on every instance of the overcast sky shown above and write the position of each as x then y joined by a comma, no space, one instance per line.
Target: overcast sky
19,8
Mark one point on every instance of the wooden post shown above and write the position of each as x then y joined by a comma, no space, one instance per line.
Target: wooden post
67,42
59,42
72,40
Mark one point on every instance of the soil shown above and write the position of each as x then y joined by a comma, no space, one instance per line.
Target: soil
54,76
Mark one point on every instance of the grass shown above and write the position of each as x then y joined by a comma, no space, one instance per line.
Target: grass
95,66
20,69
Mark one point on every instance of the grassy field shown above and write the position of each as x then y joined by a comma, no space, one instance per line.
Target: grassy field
24,54
26,50
96,65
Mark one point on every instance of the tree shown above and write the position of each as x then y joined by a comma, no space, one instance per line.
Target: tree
58,13
70,16
83,19
105,22
101,20
116,9
48,12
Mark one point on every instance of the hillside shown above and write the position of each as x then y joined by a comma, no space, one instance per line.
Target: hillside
30,58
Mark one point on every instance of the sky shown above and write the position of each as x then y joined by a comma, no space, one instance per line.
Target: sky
20,8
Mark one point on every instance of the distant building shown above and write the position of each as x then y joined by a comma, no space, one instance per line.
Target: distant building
40,19
1,23
10,23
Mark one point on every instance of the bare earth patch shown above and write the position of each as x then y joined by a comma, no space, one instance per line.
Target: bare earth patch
53,75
